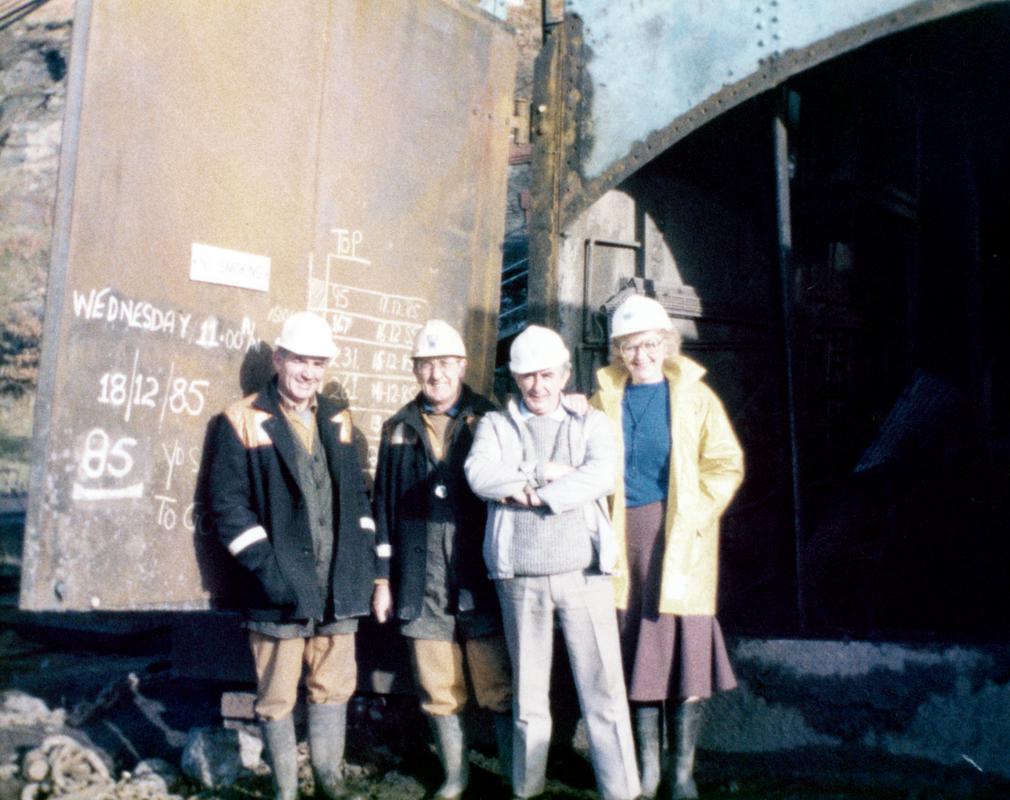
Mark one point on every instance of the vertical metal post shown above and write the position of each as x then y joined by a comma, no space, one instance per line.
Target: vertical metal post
545,217
780,144
640,233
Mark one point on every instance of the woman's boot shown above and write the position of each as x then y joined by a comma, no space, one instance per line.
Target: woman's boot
684,724
648,745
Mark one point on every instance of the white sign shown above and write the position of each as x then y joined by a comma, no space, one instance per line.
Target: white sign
229,267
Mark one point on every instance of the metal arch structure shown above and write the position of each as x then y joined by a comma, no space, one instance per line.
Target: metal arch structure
616,85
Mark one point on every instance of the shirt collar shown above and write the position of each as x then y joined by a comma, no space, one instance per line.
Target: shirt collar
451,413
289,408
558,414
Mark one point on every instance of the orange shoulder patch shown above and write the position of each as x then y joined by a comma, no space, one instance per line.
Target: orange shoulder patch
248,423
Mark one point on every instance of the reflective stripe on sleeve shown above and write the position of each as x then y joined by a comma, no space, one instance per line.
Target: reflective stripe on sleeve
246,539
367,524
384,550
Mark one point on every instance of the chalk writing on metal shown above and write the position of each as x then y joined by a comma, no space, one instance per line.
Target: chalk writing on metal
137,391
168,515
106,306
103,457
374,333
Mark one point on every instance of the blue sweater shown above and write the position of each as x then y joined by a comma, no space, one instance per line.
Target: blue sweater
645,418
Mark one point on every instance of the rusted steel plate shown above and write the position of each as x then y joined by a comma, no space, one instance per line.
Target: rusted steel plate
637,81
226,164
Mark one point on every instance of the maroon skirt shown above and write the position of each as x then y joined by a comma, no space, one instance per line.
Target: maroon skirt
666,657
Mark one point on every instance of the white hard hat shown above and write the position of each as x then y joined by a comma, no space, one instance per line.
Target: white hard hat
637,314
537,348
307,334
438,338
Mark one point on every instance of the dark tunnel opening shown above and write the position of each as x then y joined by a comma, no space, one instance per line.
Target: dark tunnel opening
899,165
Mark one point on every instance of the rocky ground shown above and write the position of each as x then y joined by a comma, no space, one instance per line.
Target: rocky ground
89,717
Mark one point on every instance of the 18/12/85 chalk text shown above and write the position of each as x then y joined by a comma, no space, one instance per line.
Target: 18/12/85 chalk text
137,390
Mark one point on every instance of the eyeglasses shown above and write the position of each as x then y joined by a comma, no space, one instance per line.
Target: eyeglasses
429,365
648,347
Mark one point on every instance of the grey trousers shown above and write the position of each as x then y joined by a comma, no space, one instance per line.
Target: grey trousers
584,607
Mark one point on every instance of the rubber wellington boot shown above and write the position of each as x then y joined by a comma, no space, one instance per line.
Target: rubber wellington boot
282,755
647,720
684,724
450,741
503,737
327,730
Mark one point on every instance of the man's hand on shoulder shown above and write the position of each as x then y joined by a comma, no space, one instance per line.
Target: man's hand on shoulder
576,403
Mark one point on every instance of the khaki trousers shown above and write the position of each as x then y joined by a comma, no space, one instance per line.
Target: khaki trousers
439,671
331,672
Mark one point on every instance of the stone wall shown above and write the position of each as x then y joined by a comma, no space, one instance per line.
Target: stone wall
33,66
34,53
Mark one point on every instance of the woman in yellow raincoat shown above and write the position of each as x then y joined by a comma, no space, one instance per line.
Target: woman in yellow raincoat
680,466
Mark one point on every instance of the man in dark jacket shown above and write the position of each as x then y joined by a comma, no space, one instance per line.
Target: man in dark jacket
430,529
286,496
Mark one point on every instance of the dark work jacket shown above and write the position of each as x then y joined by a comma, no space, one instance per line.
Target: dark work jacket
405,500
257,510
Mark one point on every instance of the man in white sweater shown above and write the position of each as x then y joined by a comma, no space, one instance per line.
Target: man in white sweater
546,472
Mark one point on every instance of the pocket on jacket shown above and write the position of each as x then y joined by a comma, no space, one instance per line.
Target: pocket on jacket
275,585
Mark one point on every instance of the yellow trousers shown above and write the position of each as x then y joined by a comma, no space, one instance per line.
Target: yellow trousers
441,675
331,672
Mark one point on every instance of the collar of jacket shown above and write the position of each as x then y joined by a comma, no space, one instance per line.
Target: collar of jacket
452,412
469,404
516,415
682,370
268,399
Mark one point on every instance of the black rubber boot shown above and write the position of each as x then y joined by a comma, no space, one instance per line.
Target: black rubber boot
684,723
282,755
648,746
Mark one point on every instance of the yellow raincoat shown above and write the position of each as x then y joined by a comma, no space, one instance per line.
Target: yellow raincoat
706,467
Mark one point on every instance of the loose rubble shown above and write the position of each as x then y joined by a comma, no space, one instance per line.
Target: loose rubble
217,757
20,709
62,766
